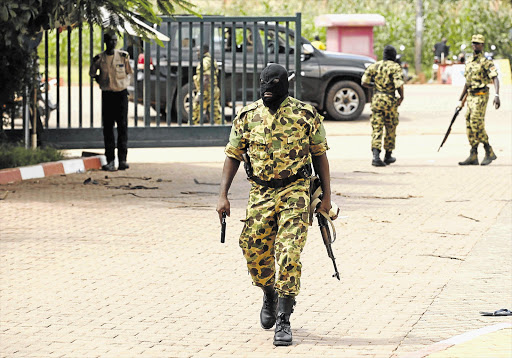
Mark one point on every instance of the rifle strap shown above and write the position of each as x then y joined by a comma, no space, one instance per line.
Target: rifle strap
315,200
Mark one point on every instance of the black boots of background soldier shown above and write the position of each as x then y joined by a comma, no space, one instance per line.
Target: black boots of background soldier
377,162
283,332
268,312
489,154
388,159
473,156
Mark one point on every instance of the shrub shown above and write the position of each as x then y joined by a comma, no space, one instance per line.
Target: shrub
12,156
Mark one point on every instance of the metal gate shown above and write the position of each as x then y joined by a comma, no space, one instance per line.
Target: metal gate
162,92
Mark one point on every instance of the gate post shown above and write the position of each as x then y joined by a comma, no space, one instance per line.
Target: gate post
298,52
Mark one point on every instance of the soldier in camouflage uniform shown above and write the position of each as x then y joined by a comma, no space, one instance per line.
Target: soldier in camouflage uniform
478,73
206,65
282,137
386,76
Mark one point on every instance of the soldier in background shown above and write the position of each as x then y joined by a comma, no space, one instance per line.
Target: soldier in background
206,65
387,78
282,136
114,78
478,73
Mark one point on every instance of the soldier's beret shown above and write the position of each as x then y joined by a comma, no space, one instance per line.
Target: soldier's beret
478,38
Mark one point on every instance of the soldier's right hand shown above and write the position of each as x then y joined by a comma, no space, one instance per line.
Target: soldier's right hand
223,205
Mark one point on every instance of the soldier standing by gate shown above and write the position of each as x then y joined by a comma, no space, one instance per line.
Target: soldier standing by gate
206,65
386,76
282,136
113,79
479,71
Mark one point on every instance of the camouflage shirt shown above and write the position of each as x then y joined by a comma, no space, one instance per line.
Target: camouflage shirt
479,72
278,144
206,64
387,76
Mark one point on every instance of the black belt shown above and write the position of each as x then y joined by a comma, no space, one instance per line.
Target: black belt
303,173
479,90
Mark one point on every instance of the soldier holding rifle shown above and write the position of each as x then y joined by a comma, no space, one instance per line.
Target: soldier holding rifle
279,137
478,73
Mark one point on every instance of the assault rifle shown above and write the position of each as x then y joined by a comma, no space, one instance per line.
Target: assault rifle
457,111
323,224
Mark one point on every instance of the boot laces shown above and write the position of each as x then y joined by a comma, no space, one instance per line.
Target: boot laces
268,301
282,324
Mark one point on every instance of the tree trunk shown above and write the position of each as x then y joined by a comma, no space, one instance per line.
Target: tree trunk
419,39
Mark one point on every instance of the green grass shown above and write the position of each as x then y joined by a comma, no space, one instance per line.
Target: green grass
12,156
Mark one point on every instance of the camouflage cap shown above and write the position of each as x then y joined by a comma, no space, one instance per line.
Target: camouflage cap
478,38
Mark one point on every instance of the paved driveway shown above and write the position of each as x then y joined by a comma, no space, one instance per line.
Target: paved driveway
132,266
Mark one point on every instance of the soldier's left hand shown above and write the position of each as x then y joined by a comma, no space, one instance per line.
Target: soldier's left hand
324,206
496,102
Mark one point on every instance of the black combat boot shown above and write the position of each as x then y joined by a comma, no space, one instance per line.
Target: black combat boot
388,159
283,332
377,162
489,155
473,157
269,310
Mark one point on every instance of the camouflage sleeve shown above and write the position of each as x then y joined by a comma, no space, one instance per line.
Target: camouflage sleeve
491,69
398,77
237,144
318,141
368,75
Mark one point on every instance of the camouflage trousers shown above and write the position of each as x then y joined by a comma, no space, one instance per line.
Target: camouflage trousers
206,107
275,232
384,116
475,119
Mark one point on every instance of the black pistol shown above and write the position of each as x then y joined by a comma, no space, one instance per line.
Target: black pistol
223,228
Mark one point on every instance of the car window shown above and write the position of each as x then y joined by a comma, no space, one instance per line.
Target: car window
239,39
281,40
186,40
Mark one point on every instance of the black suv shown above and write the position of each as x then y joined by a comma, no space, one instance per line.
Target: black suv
330,81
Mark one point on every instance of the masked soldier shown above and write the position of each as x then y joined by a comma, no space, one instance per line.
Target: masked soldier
478,73
114,77
387,78
282,136
206,65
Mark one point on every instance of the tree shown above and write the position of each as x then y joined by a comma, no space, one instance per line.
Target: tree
22,21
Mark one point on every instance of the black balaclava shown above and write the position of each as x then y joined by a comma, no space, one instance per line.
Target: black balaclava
273,86
389,53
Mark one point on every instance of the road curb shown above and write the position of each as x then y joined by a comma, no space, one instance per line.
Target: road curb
68,166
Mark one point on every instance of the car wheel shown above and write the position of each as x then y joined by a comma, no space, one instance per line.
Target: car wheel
186,102
345,101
